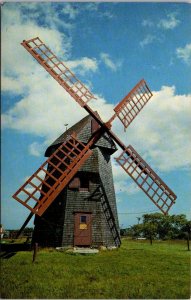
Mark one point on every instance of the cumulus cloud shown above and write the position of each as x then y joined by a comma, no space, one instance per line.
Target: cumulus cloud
83,65
170,22
35,149
147,40
40,99
105,57
147,22
184,53
160,134
161,131
70,10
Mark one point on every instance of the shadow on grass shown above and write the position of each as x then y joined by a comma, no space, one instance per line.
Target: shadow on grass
135,249
9,250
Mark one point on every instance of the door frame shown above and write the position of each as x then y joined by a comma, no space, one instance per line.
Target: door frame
85,240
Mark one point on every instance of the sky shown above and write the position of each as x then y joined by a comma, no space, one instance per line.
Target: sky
110,47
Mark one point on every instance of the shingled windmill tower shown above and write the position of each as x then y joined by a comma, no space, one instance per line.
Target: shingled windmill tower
84,213
72,192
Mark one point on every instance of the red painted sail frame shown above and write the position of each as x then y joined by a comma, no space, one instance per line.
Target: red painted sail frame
153,186
37,193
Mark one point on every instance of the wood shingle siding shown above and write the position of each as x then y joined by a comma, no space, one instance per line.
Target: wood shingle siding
90,191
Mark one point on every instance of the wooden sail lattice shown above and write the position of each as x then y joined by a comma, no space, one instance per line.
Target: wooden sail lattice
40,190
146,179
133,103
58,70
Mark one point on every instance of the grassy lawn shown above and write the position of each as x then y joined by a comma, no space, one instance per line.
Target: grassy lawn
136,270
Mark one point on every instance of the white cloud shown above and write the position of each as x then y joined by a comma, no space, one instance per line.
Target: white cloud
124,187
92,6
147,22
11,84
70,10
44,110
35,149
83,65
107,14
161,132
42,100
105,57
184,53
170,22
147,40
121,179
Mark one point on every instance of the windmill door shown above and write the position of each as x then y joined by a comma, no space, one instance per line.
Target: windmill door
82,229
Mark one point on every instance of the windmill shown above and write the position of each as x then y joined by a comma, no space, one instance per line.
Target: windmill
40,191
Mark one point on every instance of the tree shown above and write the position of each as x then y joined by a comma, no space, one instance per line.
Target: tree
28,231
163,227
168,227
150,231
186,229
137,230
162,223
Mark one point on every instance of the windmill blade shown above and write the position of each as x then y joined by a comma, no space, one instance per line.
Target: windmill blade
58,70
133,103
38,193
153,186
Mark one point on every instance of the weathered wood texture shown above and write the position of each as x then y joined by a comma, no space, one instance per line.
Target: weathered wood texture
56,226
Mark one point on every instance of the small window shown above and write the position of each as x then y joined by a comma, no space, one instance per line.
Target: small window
83,219
94,126
74,183
83,223
84,183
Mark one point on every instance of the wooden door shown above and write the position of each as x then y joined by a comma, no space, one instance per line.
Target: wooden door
82,229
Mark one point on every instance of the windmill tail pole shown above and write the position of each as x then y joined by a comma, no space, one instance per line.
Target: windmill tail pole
24,225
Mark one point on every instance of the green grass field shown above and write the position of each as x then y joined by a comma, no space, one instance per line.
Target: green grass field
136,270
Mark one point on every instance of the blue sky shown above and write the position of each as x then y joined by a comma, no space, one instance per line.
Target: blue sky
110,47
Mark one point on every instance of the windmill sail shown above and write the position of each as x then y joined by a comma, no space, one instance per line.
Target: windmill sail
40,190
58,70
146,179
133,103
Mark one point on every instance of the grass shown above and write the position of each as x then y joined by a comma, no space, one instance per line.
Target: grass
136,270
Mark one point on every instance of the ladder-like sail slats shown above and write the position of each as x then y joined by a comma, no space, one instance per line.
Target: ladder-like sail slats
49,174
40,190
55,166
58,70
133,103
146,179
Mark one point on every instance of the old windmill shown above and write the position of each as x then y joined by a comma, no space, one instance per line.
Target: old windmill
91,219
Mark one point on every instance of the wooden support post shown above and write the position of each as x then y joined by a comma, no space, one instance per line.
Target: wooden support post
35,252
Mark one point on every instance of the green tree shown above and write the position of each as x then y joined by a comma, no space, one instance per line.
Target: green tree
137,230
150,231
186,230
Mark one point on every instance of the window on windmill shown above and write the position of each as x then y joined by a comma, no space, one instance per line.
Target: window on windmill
74,183
83,222
84,183
94,126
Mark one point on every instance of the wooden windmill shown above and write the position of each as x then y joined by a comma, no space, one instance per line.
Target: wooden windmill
67,159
